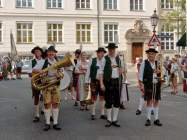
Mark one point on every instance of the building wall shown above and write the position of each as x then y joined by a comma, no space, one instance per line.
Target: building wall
39,15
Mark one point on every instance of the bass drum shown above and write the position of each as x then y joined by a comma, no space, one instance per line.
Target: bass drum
65,82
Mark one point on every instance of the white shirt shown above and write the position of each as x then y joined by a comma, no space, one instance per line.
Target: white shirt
100,65
39,64
81,66
142,66
51,73
115,69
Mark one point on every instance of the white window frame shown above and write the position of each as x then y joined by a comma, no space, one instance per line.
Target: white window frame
136,3
80,4
27,33
115,36
107,4
164,3
166,41
1,32
55,7
1,5
26,6
85,30
57,30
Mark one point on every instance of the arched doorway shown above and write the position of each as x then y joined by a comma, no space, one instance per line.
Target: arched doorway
137,40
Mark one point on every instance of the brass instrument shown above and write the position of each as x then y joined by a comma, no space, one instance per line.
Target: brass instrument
39,80
160,67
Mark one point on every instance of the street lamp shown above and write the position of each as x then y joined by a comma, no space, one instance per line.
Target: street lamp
154,20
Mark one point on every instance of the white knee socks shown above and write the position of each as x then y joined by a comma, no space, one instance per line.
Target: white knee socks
115,114
141,103
156,110
93,108
109,114
149,112
37,111
102,107
47,115
55,115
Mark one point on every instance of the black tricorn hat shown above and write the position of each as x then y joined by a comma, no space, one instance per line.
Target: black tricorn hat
111,46
151,50
101,49
52,48
77,51
36,48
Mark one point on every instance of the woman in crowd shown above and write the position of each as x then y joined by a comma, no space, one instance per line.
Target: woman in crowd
174,75
81,69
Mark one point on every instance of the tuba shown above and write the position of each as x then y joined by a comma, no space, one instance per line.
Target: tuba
39,80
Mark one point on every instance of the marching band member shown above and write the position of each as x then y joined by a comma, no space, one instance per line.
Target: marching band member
94,77
112,81
81,69
149,79
37,65
75,77
51,95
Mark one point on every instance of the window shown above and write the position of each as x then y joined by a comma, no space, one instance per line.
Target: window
136,5
167,4
82,4
24,32
0,32
55,33
83,33
110,4
24,3
167,38
110,33
54,3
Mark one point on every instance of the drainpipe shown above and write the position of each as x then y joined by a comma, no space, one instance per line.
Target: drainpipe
179,49
98,23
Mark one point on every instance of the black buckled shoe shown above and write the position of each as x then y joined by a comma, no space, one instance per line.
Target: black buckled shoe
138,112
76,104
152,112
109,124
42,112
148,123
93,117
157,122
36,119
57,127
122,107
115,123
46,127
103,117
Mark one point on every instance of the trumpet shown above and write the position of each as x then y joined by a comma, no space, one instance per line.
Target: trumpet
39,80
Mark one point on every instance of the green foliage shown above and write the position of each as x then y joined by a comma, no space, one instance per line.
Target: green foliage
177,16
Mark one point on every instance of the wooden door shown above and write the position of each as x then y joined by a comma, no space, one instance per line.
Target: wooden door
137,51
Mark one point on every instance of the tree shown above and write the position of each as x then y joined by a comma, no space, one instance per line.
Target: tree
176,18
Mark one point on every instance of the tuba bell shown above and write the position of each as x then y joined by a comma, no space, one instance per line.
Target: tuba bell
39,80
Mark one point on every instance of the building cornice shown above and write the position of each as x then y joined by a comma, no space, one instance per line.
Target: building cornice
6,14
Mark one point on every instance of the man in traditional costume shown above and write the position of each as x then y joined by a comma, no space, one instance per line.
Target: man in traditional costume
51,94
94,77
113,81
37,65
150,79
75,78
